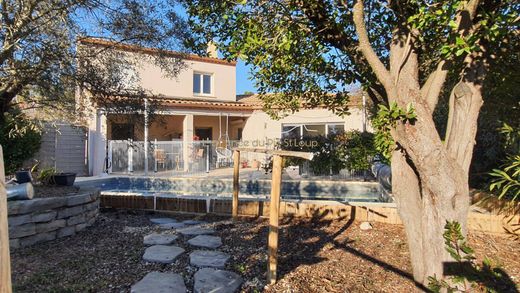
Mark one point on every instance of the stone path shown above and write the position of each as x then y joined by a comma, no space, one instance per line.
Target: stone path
206,241
159,282
209,278
159,239
208,258
162,253
162,220
196,230
216,281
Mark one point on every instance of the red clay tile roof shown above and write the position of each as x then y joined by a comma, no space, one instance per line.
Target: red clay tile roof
208,104
139,49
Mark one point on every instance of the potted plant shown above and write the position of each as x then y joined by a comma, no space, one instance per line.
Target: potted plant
23,176
64,179
46,176
50,176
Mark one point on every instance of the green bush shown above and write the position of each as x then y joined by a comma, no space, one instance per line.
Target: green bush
20,138
466,274
506,180
350,150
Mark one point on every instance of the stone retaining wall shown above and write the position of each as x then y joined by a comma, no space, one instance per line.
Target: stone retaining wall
45,219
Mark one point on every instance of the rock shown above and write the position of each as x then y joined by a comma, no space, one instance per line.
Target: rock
50,226
92,206
37,238
81,226
159,239
44,217
193,222
193,231
172,226
157,282
76,220
19,220
365,226
22,230
206,241
14,243
66,231
69,212
162,220
205,258
162,253
216,281
75,200
38,204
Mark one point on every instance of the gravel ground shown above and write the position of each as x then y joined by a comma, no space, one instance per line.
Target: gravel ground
315,256
41,191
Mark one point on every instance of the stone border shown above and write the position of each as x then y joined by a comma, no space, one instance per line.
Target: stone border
45,219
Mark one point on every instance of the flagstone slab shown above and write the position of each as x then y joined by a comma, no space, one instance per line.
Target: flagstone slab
195,230
162,253
172,226
207,258
206,241
216,281
194,222
157,282
162,220
159,239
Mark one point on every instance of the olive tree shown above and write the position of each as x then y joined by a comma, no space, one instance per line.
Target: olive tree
401,52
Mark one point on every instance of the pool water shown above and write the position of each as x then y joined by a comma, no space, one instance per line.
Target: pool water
291,189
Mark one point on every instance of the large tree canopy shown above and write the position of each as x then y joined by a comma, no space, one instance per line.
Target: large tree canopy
39,56
402,53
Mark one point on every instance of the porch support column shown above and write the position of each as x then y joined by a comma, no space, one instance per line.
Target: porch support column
187,139
145,136
97,143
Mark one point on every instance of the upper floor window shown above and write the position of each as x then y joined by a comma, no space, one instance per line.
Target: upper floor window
202,84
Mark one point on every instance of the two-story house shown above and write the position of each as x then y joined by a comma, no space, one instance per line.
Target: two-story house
199,104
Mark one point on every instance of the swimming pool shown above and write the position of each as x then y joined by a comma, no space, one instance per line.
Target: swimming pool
342,191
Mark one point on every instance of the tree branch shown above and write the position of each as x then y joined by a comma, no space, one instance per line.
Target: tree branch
366,48
435,81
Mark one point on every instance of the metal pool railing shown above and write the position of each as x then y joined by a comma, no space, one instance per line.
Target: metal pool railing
198,158
173,157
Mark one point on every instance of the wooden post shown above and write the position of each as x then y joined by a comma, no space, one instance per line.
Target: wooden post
236,184
5,262
274,213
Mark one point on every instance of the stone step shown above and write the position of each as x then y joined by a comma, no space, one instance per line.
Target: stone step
162,220
216,281
159,239
206,241
157,282
162,253
196,230
206,258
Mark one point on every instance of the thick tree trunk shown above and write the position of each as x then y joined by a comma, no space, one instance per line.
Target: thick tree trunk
424,215
429,176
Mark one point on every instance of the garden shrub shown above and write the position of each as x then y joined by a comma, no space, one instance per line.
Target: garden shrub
350,150
465,274
20,138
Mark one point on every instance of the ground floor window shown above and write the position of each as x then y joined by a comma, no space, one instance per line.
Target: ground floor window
311,129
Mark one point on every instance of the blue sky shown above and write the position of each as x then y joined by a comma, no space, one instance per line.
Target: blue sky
244,83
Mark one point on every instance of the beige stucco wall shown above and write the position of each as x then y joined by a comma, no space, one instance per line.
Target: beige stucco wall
260,126
154,79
